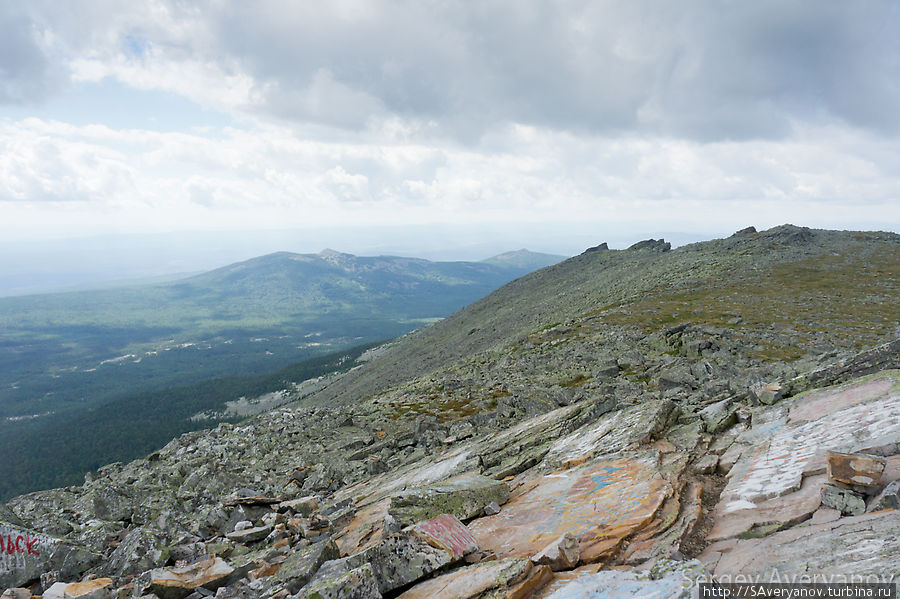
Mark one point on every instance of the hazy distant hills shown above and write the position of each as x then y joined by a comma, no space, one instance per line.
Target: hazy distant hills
58,351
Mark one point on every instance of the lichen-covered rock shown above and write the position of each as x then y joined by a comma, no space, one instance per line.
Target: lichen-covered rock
844,500
464,497
358,583
139,551
719,416
396,561
300,567
888,499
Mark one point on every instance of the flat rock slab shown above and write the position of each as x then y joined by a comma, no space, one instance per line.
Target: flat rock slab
501,578
250,535
788,441
613,433
864,546
611,584
600,503
179,582
98,588
783,511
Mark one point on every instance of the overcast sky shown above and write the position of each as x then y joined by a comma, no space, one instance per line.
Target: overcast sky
702,117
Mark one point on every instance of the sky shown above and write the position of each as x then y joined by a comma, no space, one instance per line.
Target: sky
573,121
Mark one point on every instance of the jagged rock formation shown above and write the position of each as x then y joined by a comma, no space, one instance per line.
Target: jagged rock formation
628,408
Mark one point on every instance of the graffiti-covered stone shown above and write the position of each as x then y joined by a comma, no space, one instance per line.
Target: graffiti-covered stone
25,555
601,503
448,533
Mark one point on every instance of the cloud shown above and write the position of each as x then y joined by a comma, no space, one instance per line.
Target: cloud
742,70
253,178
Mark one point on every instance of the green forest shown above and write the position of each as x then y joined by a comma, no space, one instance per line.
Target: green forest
59,449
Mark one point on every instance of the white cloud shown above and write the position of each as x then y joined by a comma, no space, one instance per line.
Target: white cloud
262,178
401,112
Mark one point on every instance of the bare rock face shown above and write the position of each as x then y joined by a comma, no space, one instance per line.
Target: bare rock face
667,579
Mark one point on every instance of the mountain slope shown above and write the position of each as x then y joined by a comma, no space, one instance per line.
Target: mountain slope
740,273
651,403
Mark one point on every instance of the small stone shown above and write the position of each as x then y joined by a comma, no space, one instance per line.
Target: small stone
491,509
304,506
16,593
856,469
848,502
249,535
719,416
888,499
766,393
243,525
390,526
707,464
561,554
318,522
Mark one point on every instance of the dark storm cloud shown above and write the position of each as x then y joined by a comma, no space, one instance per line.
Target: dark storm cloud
701,70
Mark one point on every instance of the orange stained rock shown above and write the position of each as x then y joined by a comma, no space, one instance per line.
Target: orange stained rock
78,589
192,576
601,503
365,528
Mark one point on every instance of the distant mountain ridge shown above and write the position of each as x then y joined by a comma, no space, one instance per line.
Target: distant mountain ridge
294,302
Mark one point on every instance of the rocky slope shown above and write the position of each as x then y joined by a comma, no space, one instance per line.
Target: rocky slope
668,413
